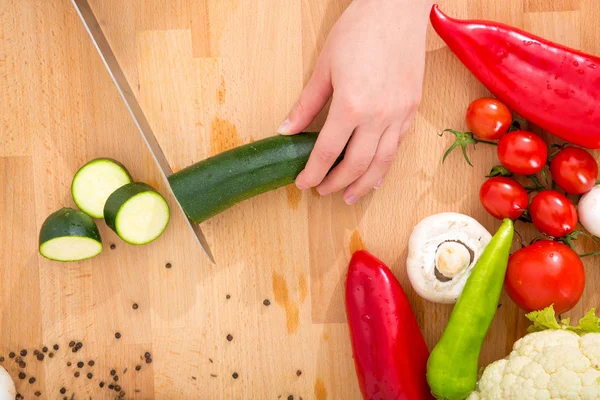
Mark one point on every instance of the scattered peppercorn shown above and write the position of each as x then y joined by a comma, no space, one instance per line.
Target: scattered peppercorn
22,364
90,375
148,360
63,390
23,353
40,356
18,359
45,349
76,374
72,343
121,394
135,306
266,302
22,375
1,359
36,352
55,347
11,355
228,297
91,363
117,388
116,378
138,367
229,337
80,364
38,393
298,373
137,390
147,355
111,386
118,335
113,246
69,363
113,372
50,354
290,397
213,375
32,380
168,265
235,375
19,396
101,384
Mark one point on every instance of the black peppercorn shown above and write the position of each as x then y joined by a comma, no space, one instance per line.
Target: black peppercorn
147,355
116,378
72,343
298,373
266,302
80,364
101,384
228,297
135,306
290,397
55,347
50,354
18,360
69,363
117,388
63,390
113,246
76,374
45,349
111,386
32,380
22,375
168,265
11,355
36,352
22,364
138,367
1,359
90,375
38,393
91,363
40,356
118,335
23,353
235,375
113,372
148,360
229,337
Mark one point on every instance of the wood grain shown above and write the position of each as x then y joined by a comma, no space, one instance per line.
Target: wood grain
211,75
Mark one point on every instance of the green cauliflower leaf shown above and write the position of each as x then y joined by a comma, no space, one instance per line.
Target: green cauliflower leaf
546,319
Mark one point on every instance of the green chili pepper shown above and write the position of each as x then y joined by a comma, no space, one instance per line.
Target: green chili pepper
453,364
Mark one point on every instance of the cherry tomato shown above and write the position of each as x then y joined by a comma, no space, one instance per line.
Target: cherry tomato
522,152
552,213
488,118
503,197
545,273
574,170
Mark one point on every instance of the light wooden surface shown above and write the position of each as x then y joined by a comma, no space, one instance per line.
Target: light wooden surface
213,74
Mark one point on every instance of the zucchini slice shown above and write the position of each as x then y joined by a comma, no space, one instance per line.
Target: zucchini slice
95,181
219,182
69,235
137,213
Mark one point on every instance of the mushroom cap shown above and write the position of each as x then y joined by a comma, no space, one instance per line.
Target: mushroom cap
423,245
588,211
7,386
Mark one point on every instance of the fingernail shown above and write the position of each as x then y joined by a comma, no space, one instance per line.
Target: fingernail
301,187
284,128
351,199
378,185
322,192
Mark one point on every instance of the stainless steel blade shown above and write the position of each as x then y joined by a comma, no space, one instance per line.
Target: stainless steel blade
116,73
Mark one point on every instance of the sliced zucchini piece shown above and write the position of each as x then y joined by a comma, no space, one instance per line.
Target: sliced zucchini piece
95,181
137,213
69,235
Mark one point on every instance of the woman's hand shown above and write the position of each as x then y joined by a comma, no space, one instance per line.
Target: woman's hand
372,68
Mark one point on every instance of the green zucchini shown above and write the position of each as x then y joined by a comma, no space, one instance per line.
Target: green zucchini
69,235
219,182
95,181
137,213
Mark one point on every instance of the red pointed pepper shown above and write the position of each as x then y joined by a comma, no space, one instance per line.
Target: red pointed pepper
390,354
553,86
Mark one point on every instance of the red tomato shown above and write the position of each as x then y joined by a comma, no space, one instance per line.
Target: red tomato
545,273
552,213
574,170
503,197
522,152
488,118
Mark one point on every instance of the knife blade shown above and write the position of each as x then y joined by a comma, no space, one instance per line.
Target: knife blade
118,77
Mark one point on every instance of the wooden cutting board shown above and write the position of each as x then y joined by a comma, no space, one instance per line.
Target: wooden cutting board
211,75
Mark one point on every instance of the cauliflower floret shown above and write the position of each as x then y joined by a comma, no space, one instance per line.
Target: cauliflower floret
547,365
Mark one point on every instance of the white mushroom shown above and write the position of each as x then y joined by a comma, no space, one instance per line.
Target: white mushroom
7,386
442,252
588,210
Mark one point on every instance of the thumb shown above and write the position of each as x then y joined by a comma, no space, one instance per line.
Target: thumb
313,98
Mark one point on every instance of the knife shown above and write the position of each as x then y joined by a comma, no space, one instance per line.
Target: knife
116,73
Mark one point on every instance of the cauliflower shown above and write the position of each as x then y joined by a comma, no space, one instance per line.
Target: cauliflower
554,361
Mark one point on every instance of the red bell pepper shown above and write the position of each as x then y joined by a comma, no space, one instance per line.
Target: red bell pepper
390,354
553,86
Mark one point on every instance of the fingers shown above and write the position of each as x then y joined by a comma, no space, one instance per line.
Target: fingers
357,159
313,98
330,143
379,167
